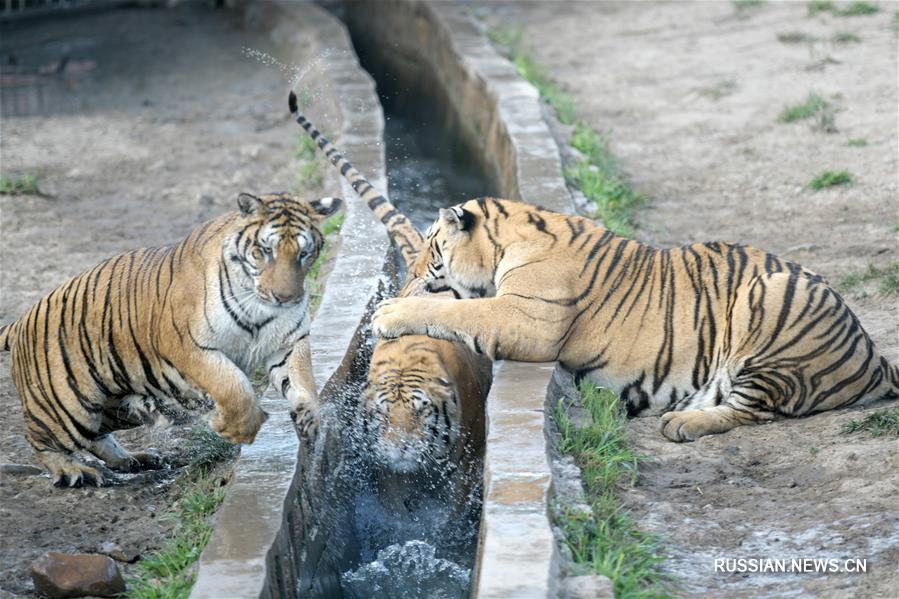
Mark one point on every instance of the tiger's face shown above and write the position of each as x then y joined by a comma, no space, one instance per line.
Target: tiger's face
460,255
279,242
411,408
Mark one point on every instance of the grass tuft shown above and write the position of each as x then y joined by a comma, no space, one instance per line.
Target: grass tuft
725,87
597,175
316,286
846,37
884,423
888,277
311,171
796,37
857,142
24,185
169,572
608,539
857,9
814,106
513,39
853,9
827,179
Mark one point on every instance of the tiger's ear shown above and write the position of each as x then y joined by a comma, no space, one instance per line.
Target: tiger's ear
248,204
325,207
457,218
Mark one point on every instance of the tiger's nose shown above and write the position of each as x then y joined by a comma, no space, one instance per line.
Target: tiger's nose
281,299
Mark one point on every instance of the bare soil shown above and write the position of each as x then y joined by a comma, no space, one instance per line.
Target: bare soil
150,123
691,93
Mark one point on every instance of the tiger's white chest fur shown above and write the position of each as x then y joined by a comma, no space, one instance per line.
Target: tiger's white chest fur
271,328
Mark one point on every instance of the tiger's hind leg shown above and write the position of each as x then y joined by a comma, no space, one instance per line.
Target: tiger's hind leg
118,458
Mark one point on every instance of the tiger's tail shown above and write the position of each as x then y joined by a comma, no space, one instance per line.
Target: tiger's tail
399,228
7,337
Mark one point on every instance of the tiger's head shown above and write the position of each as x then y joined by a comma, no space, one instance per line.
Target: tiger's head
461,251
411,407
278,240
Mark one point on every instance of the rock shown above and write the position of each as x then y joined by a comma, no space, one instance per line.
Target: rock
60,575
115,551
591,586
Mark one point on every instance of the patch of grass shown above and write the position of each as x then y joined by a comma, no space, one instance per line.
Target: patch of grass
827,179
597,175
814,106
819,6
311,171
725,87
846,37
857,9
796,37
744,8
512,38
608,540
813,450
316,286
884,423
853,9
888,277
169,572
24,185
857,142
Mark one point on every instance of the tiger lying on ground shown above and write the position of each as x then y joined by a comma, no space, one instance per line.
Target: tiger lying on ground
423,398
157,330
715,335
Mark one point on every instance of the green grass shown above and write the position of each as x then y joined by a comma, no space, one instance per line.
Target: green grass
884,423
316,287
608,540
856,9
311,171
796,37
597,175
725,87
887,276
857,142
813,450
24,185
169,572
827,179
512,38
846,37
853,9
814,105
744,8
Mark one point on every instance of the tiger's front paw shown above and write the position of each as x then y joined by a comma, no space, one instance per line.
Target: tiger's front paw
688,425
399,316
239,427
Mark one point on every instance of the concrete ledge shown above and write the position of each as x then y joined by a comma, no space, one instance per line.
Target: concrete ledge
252,552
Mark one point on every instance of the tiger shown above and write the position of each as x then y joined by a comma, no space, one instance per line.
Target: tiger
423,399
154,332
709,335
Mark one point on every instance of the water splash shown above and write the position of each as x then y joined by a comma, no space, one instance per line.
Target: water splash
294,72
407,570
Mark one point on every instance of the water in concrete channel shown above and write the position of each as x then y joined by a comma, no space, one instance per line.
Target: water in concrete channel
377,533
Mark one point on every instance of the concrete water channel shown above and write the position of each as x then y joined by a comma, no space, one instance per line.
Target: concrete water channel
301,520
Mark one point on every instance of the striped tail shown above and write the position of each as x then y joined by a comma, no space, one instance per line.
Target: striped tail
6,332
399,228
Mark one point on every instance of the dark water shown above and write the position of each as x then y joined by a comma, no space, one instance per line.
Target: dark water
423,546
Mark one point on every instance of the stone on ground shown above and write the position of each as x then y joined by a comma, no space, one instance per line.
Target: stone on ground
61,575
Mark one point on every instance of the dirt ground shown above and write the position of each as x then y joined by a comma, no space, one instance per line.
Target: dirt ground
691,93
153,123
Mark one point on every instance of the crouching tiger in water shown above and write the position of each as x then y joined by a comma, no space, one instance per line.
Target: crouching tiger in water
423,398
716,335
162,329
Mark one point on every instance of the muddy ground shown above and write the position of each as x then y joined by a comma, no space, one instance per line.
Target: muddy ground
141,124
691,93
